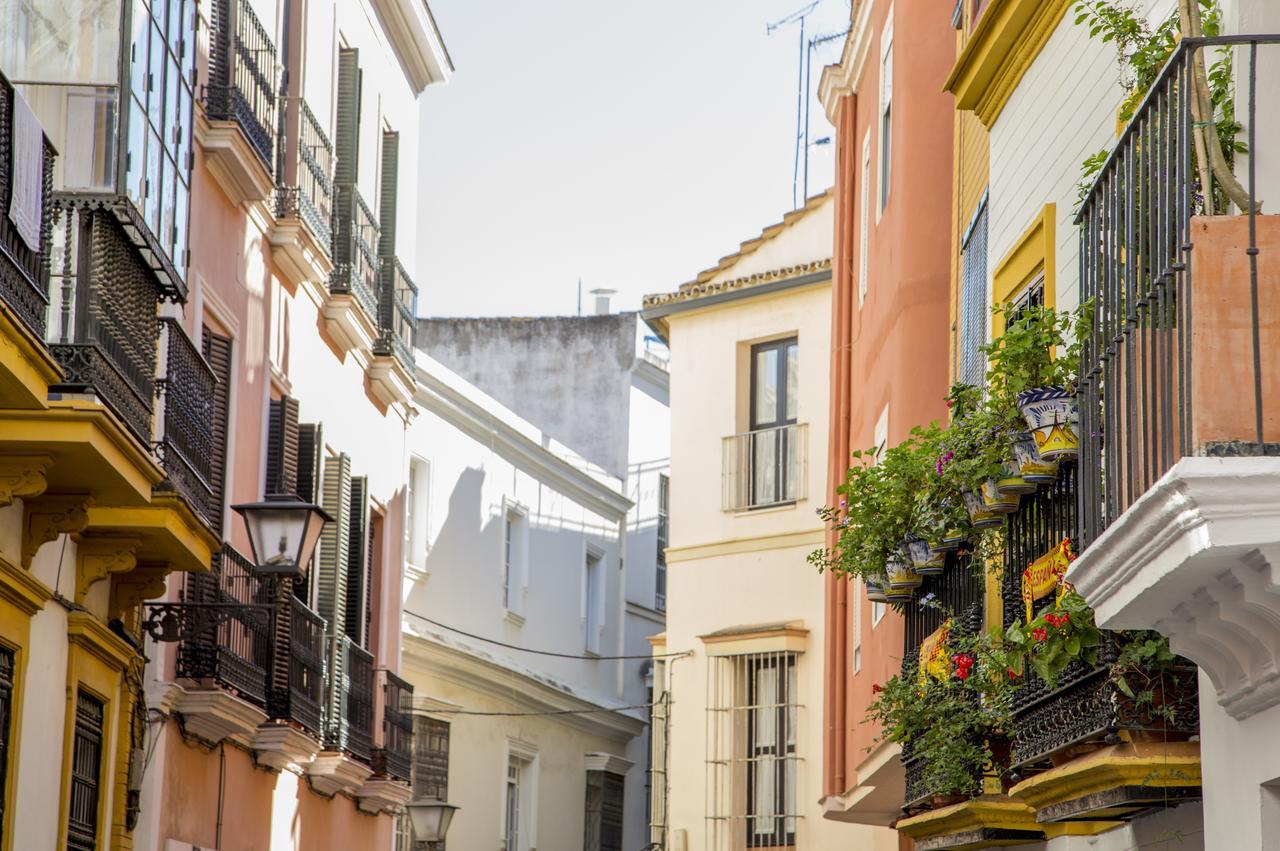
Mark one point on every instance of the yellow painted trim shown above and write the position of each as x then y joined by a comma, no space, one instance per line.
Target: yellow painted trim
809,537
96,660
21,590
988,811
168,531
1144,764
1033,253
21,596
1009,36
26,367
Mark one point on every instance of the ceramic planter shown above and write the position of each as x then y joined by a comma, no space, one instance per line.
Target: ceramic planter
1011,481
876,589
979,515
954,539
902,576
923,559
1053,417
1031,465
995,501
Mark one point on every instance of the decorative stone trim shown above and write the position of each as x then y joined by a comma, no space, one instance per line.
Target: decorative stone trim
332,772
297,253
609,762
232,160
1197,557
23,476
213,715
99,556
977,823
379,794
284,748
350,327
389,382
50,516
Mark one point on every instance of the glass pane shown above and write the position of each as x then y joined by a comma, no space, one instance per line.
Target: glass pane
169,193
764,467
78,42
171,104
184,129
152,208
137,151
181,211
793,381
766,387
83,128
765,702
188,33
175,25
765,804
138,55
155,101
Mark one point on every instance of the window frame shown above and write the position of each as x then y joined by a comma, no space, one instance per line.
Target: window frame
594,584
884,118
82,732
664,534
783,750
513,562
864,219
786,412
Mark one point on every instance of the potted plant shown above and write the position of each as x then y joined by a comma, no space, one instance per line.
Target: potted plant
924,560
876,587
1031,465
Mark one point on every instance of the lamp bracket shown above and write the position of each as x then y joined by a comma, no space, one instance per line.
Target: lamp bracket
171,622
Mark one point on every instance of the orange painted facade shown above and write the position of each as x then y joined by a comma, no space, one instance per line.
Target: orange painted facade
890,352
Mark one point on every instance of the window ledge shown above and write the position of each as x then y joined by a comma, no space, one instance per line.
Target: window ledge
514,618
772,508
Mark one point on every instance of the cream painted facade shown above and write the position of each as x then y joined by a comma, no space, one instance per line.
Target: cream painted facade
742,598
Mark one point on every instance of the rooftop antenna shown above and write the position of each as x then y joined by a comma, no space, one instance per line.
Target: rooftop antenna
579,296
802,86
814,43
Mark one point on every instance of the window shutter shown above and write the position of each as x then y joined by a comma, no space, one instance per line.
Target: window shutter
331,569
973,301
387,197
310,459
282,447
346,135
357,573
217,351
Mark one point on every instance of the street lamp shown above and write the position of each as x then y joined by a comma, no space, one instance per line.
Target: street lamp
430,819
282,534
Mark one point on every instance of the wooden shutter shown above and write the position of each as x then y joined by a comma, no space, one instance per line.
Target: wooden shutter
387,196
346,134
430,758
331,567
217,351
282,447
357,567
310,459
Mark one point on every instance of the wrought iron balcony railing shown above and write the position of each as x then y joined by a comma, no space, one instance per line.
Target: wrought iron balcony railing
306,172
765,467
395,758
349,698
355,250
234,650
243,74
297,665
24,270
187,446
1175,296
397,312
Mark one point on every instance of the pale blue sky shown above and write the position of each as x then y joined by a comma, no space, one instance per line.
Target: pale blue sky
631,144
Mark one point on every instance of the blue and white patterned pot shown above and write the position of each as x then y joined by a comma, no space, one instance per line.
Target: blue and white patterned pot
1053,417
875,590
1034,469
923,559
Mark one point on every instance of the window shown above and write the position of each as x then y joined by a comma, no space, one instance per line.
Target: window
513,805
86,774
593,600
864,214
518,825
973,300
775,376
660,579
416,519
430,775
515,535
886,110
877,614
217,351
752,755
857,626
6,725
604,809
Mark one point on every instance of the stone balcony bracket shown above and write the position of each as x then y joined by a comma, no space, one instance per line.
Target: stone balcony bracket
1198,558
332,772
381,794
283,747
212,715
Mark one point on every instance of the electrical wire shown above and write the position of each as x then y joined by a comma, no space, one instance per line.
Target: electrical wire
546,714
544,652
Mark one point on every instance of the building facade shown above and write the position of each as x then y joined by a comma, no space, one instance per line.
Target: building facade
738,682
515,622
227,318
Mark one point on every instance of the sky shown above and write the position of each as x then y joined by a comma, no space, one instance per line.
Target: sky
629,144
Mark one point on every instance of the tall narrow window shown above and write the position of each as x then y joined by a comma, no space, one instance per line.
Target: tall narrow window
604,807
660,578
430,765
973,300
775,372
86,774
515,536
593,601
6,726
519,805
864,215
886,110
217,351
857,626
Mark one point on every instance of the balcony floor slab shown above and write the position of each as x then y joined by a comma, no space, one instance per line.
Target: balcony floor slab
332,772
213,715
986,822
381,794
284,747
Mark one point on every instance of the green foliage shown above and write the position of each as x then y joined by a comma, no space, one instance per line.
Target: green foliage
1052,640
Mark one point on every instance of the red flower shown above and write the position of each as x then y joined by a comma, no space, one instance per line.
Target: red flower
1065,618
1040,633
962,673
876,688
1013,675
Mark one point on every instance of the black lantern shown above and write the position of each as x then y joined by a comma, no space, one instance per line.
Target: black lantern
430,819
282,534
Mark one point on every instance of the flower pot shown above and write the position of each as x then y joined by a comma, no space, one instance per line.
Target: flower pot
876,589
923,560
899,595
902,576
954,539
995,501
1053,417
1011,482
979,515
1031,465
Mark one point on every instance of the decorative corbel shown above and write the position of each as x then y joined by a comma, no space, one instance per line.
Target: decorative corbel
47,517
133,588
23,476
100,556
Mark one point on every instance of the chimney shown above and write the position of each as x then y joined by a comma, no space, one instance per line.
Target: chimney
603,298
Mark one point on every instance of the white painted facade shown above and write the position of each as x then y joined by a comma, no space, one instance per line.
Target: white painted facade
564,588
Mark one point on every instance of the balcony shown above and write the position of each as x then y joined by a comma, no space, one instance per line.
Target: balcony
302,237
184,422
349,691
765,468
240,105
352,312
391,374
1180,397
296,688
394,759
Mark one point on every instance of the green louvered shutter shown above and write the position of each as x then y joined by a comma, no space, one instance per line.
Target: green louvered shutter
357,573
331,589
387,231
346,132
310,459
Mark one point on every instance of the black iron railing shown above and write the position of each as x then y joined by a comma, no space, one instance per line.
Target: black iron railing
307,172
234,651
355,250
397,306
395,758
24,271
1162,346
297,674
187,446
350,686
243,74
103,325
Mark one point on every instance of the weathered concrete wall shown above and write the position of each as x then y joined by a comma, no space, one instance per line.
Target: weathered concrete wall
536,366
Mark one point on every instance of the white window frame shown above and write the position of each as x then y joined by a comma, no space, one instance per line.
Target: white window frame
864,216
514,579
856,654
594,582
884,120
524,758
882,443
417,516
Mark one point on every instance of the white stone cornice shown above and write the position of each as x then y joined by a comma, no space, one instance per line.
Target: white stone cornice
212,714
1198,558
611,763
381,794
284,747
841,79
332,772
412,31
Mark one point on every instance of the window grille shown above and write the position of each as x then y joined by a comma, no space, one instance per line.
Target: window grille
604,808
664,529
973,301
6,724
752,763
86,774
430,767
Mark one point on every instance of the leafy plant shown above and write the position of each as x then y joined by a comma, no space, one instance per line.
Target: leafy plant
1052,640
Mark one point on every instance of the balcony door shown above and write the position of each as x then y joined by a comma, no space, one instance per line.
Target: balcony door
775,374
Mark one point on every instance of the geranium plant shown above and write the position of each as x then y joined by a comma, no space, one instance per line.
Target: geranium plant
1049,642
